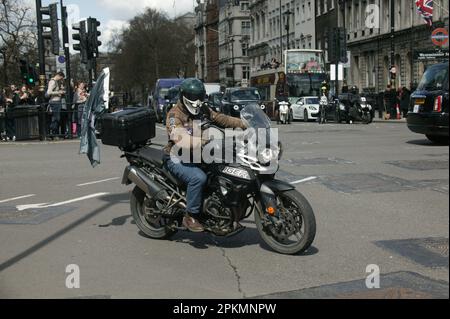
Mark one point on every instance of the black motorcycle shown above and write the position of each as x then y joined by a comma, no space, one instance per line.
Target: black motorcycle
284,218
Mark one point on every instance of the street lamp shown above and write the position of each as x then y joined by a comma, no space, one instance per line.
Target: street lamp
288,14
231,41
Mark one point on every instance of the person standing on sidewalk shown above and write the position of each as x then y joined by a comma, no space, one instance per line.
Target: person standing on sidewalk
389,102
55,93
80,97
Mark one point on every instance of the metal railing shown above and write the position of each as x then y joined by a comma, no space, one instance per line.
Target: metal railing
43,122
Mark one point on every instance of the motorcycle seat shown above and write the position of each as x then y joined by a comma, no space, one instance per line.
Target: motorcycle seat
153,155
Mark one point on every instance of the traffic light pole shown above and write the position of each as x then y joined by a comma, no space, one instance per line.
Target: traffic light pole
40,48
65,32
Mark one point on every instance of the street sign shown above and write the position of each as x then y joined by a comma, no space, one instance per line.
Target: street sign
348,65
440,37
60,63
430,55
340,72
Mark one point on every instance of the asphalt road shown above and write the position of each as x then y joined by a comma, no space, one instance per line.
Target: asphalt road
368,185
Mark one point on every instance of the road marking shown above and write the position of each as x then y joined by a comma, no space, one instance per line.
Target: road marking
34,206
304,180
98,182
16,198
160,128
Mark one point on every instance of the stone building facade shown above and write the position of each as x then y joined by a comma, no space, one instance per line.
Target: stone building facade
370,44
278,25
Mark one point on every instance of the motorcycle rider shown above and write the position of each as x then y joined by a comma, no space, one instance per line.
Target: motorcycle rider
179,124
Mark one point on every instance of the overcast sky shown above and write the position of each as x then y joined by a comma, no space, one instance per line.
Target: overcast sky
114,14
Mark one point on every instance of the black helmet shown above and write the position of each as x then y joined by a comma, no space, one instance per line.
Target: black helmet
192,95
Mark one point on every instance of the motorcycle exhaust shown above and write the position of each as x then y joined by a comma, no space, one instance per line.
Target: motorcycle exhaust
146,184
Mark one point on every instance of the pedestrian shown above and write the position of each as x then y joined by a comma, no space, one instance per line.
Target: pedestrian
404,101
25,96
55,94
389,102
80,97
12,100
2,115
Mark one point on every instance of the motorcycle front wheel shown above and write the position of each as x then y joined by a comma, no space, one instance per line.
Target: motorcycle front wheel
294,230
145,213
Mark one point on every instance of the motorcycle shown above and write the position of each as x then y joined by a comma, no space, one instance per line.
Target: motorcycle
323,104
283,216
362,111
284,112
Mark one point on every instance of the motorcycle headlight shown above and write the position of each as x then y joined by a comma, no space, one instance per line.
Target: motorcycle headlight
268,155
236,107
342,107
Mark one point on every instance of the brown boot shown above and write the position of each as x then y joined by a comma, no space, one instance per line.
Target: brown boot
192,224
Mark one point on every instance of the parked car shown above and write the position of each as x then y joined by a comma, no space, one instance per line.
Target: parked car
235,99
215,100
158,100
306,108
428,112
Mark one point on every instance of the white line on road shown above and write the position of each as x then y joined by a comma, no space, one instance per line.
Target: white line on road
98,182
304,180
16,198
25,207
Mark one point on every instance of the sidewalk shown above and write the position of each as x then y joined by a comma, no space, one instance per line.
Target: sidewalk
378,120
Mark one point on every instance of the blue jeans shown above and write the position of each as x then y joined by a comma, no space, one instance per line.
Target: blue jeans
194,178
56,117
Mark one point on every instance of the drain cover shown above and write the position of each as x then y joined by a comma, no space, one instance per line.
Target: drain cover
428,252
11,216
360,183
425,165
402,285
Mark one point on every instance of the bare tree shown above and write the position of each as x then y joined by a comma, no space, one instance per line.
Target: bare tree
17,37
151,47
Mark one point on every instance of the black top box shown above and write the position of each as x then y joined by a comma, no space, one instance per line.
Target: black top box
129,128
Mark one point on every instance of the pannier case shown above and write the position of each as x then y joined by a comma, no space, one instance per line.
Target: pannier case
131,127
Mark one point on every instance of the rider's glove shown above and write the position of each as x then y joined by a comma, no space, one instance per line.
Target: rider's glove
206,110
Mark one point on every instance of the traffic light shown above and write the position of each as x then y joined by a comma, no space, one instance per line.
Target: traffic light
52,23
93,35
28,73
342,45
82,37
332,46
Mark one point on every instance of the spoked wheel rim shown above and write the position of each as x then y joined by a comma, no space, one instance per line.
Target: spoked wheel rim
148,214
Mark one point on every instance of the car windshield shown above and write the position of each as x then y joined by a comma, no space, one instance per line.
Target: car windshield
245,95
435,78
254,117
163,92
312,100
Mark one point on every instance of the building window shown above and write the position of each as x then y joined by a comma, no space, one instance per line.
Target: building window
244,6
244,49
246,72
246,27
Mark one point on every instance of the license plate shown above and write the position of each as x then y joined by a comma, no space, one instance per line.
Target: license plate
416,108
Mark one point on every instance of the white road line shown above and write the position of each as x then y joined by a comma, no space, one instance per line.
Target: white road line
32,206
16,198
304,180
98,182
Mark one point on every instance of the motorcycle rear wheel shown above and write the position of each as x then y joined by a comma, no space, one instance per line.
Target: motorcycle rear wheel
155,226
304,217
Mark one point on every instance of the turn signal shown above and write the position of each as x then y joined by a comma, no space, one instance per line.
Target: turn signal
271,211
